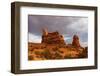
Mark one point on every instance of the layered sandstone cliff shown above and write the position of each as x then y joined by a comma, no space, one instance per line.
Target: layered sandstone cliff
52,38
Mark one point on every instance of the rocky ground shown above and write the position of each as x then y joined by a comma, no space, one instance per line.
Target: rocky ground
39,51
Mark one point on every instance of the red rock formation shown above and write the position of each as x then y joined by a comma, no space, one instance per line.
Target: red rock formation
75,41
52,38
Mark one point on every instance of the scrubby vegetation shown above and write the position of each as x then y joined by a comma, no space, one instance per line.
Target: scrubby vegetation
49,52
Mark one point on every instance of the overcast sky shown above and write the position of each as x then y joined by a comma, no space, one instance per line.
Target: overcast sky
65,25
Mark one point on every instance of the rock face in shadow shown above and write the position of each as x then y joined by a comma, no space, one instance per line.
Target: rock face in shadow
52,38
75,41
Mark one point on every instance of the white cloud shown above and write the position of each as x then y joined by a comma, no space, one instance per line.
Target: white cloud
34,38
84,44
66,37
79,25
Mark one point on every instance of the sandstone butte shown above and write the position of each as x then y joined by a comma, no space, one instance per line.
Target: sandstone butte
53,46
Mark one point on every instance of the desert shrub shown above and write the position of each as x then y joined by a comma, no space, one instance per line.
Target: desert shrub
30,49
61,51
42,47
54,53
30,57
84,53
46,54
38,56
58,55
37,52
67,56
36,47
56,49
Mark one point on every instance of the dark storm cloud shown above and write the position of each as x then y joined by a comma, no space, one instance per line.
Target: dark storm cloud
66,25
